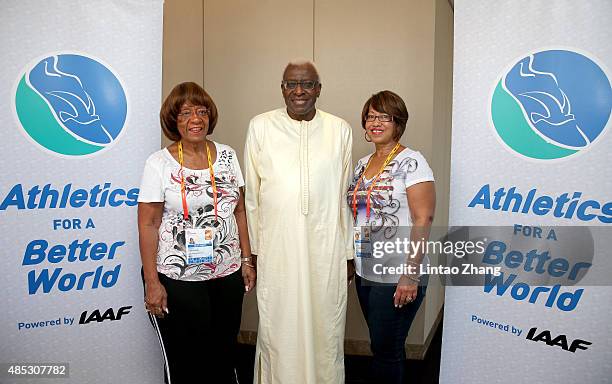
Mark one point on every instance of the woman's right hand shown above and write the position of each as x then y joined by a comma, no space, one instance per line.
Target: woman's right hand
156,299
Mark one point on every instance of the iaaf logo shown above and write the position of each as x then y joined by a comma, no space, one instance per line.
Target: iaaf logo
108,314
557,341
551,104
70,104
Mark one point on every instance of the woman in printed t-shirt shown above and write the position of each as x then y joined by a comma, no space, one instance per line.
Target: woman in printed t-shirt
193,289
392,196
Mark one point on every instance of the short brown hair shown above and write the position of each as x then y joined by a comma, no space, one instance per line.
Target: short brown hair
390,103
182,93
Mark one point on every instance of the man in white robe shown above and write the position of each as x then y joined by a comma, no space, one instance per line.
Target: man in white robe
298,164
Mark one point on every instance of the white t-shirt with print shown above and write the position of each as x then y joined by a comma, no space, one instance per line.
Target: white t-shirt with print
390,214
161,182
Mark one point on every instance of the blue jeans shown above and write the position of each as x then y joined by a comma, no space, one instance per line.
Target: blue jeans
388,328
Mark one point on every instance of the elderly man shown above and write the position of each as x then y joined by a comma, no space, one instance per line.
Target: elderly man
298,164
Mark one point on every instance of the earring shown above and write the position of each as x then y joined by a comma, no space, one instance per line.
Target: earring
367,138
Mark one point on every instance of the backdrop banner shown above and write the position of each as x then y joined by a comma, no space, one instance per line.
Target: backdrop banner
81,90
531,151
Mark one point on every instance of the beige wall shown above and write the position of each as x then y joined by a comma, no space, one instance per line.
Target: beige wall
183,43
246,45
440,139
360,48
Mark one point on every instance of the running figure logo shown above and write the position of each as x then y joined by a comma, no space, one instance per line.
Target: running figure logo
71,104
551,104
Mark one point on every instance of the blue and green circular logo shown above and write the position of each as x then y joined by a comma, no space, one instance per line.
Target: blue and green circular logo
551,104
71,104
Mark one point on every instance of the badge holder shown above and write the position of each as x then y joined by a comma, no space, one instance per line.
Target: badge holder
199,243
361,235
363,244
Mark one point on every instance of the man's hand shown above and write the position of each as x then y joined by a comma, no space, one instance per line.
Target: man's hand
350,271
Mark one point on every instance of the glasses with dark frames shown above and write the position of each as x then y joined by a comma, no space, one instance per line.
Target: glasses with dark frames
307,85
384,118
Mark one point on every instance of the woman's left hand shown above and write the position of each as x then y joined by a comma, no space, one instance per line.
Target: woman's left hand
406,292
249,275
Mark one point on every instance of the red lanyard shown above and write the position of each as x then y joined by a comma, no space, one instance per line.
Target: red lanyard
376,177
212,181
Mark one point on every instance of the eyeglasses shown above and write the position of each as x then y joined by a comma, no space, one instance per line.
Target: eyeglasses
185,114
306,85
384,118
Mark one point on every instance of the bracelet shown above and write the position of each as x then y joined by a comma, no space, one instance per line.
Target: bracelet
249,265
245,258
416,279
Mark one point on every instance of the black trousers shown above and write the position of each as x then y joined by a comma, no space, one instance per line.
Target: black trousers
198,335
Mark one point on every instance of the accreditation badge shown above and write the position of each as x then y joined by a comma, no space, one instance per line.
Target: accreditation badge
199,245
362,243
